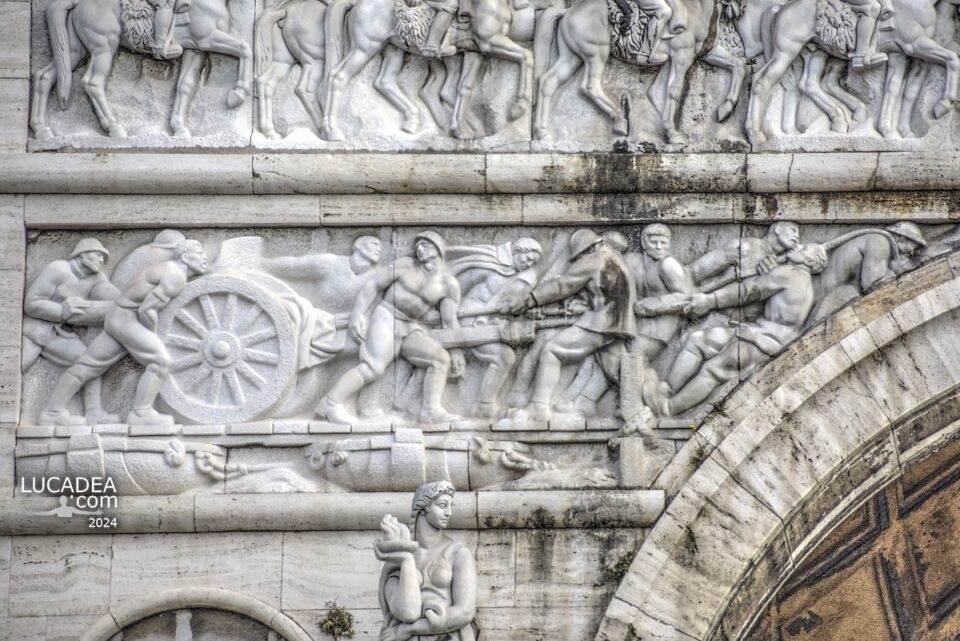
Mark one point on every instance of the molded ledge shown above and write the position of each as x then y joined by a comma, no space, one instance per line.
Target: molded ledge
347,511
471,173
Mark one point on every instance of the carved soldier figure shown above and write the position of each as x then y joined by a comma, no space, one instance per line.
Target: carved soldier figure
488,275
716,355
747,254
659,12
602,329
435,46
62,296
410,288
870,13
662,275
337,279
130,327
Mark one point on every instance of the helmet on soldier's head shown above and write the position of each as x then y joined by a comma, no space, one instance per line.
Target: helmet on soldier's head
434,239
168,239
582,240
89,245
909,231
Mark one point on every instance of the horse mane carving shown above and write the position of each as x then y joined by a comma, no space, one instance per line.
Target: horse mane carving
136,16
836,25
413,22
628,33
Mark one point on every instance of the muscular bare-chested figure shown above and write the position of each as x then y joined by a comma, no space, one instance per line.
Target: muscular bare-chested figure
716,355
410,288
130,327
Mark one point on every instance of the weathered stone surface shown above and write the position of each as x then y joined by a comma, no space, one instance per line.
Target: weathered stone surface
124,173
570,568
569,509
248,563
67,628
14,40
365,210
6,558
9,384
23,629
622,208
768,172
57,212
14,110
558,173
833,172
60,575
322,567
918,170
496,568
368,174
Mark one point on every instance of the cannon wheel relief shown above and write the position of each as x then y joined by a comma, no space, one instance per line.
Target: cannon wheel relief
233,349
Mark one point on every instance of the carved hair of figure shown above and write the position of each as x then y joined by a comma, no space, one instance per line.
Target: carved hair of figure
428,585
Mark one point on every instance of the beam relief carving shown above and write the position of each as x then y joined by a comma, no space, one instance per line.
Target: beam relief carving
496,75
375,359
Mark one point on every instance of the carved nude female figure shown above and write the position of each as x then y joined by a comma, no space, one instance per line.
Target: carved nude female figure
428,586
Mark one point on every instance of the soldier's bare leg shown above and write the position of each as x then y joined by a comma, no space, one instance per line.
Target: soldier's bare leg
569,346
500,360
660,14
718,370
701,346
103,352
376,353
65,352
426,353
145,346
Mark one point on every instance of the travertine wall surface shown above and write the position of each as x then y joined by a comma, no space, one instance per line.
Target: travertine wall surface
659,532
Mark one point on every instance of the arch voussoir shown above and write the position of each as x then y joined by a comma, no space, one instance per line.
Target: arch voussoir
786,456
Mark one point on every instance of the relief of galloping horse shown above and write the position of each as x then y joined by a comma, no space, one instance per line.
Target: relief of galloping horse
495,30
97,27
583,38
909,33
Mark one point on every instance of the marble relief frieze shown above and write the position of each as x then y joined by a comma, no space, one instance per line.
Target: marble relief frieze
376,359
495,75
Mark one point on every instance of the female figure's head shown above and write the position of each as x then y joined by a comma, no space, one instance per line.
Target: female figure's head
434,502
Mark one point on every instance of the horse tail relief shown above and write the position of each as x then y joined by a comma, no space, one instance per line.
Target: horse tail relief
543,38
60,44
263,38
334,27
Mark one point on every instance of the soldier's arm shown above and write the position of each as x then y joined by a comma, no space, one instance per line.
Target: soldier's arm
676,277
450,305
382,278
169,285
566,284
104,290
876,262
37,301
298,266
715,262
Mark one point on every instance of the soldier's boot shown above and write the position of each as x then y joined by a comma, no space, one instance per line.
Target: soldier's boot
654,29
55,412
92,408
865,54
435,46
147,390
162,25
332,408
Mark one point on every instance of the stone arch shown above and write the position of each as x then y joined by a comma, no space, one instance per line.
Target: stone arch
787,455
214,598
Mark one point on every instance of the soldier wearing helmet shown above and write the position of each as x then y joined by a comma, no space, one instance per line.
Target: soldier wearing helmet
602,275
130,327
385,321
65,295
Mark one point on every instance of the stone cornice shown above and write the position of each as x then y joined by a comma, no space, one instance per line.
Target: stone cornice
475,173
299,512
